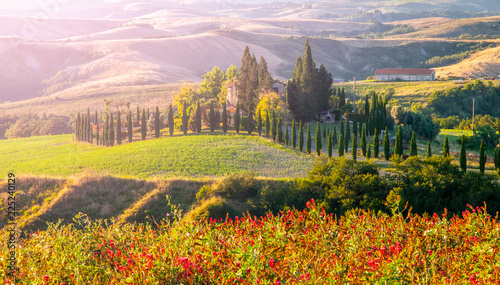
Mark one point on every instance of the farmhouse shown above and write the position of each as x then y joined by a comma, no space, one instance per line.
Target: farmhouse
409,74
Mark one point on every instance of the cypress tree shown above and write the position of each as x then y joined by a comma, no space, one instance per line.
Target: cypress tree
301,136
286,135
89,127
224,119
106,131
363,140
342,129
413,145
355,126
347,136
273,127
463,157
354,147
171,120
138,114
294,134
341,145
259,124
496,158
129,126
376,144
96,118
482,158
342,97
268,125
185,120
118,128
211,116
280,130
324,131
237,118
429,151
97,134
330,145
334,136
84,128
198,118
318,139
77,126
143,124
398,151
111,131
386,145
250,123
157,122
369,152
308,142
91,135
446,147
147,114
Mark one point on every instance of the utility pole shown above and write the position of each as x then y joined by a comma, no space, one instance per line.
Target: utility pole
354,97
473,130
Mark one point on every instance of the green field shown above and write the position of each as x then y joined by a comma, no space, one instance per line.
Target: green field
191,156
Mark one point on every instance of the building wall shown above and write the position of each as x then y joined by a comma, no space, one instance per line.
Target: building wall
232,99
408,77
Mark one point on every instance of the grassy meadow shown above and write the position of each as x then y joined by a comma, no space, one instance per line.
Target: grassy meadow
190,156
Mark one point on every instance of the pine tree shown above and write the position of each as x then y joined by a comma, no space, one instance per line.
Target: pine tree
354,147
118,128
347,137
143,124
237,118
268,125
330,144
341,145
274,127
413,145
211,116
280,130
308,142
446,147
363,140
386,145
286,135
301,136
157,122
429,151
376,144
198,118
398,151
294,134
463,157
171,120
129,126
482,158
138,115
185,120
318,139
224,119
259,123
369,152
111,131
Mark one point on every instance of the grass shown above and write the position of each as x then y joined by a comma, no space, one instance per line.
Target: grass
192,156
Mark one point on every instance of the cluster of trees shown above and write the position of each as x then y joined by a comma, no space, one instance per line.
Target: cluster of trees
310,89
27,125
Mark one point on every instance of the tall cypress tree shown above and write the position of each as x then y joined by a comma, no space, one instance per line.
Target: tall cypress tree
138,114
280,130
259,123
129,126
274,127
96,118
237,118
89,127
334,136
354,147
347,136
119,128
369,152
398,147
97,133
106,131
287,138
496,158
308,142
341,97
341,145
429,151
342,129
376,144
157,122
211,116
250,123
301,136
77,126
224,119
463,157
482,158
294,134
446,147
363,140
185,119
413,145
198,117
318,139
386,145
324,131
171,120
143,124
355,126
111,130
330,144
268,125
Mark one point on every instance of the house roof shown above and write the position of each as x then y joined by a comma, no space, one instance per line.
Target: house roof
231,84
404,71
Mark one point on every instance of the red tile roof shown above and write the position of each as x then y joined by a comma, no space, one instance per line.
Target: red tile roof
403,71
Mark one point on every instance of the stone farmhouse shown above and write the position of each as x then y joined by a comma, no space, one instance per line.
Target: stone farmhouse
408,74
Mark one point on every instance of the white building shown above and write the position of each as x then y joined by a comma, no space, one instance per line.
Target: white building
408,74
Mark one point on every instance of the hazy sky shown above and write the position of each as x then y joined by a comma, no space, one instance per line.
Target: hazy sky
37,4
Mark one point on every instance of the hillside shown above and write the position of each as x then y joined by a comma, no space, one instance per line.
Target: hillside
484,63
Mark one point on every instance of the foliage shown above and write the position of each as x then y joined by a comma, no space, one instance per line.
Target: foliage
270,103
